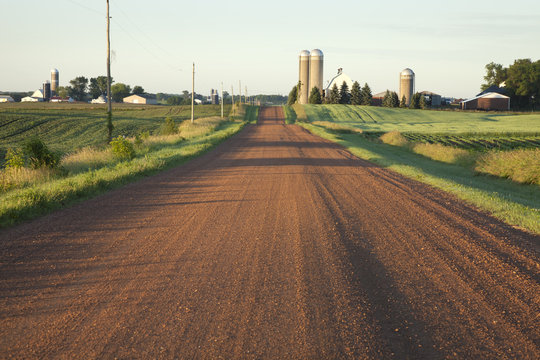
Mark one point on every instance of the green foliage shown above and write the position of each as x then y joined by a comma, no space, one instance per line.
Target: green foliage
334,95
14,159
138,90
110,126
119,91
122,148
98,86
356,94
415,101
403,103
77,90
344,94
495,75
366,95
315,96
387,99
62,91
169,127
293,96
39,154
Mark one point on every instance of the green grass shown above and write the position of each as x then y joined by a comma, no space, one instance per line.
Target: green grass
157,154
66,127
380,119
513,203
290,114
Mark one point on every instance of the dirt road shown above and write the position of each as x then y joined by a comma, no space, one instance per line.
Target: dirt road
278,244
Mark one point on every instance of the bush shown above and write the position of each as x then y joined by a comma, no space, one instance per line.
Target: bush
394,138
169,127
522,165
122,148
14,159
39,154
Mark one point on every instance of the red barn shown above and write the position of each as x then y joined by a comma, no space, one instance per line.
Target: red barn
488,101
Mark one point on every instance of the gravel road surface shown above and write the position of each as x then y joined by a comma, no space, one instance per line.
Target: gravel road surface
277,244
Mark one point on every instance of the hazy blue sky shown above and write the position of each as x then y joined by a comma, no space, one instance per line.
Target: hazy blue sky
447,44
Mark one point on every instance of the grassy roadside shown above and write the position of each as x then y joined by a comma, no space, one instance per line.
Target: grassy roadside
516,204
157,154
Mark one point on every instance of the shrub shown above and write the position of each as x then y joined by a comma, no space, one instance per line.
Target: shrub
86,158
39,154
122,148
522,165
169,127
14,159
394,138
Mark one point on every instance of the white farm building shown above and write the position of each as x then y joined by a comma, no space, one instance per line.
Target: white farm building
338,81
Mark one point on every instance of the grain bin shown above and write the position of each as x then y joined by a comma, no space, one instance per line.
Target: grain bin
406,85
54,80
303,91
316,70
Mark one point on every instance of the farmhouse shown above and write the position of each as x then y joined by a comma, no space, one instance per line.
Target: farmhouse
141,99
488,101
338,81
6,98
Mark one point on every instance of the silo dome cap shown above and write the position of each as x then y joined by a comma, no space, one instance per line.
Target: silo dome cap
54,71
316,52
304,53
407,71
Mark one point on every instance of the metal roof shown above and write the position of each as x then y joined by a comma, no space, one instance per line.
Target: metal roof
317,52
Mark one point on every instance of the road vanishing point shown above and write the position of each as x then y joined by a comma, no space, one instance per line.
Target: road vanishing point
275,245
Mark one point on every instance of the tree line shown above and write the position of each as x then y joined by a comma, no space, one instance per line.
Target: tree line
81,88
521,81
356,95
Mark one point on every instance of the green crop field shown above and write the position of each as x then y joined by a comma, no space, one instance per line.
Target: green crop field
380,119
67,127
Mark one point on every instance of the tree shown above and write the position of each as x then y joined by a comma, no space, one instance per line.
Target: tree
62,91
423,103
394,99
315,96
293,95
415,101
366,95
387,99
523,82
403,103
495,75
138,90
356,94
119,91
98,86
77,90
344,94
334,95
174,100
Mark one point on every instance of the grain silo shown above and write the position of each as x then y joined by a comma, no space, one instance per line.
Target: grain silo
303,91
316,70
46,90
406,85
54,80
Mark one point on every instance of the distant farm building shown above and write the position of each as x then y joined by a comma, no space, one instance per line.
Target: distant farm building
338,81
60,99
141,99
6,98
101,99
488,101
493,89
29,99
38,94
377,99
434,99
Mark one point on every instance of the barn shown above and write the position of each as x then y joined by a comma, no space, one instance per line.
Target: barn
487,101
141,99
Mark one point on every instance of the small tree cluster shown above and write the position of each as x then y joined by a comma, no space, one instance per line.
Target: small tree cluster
391,99
169,127
415,101
293,96
315,96
122,148
366,95
356,94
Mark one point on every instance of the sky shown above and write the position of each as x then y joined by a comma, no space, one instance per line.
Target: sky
154,43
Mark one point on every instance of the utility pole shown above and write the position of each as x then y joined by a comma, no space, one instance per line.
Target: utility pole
246,96
222,100
192,92
109,104
232,96
240,89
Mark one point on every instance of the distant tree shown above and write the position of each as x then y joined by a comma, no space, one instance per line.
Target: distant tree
174,100
495,74
98,86
315,96
344,94
62,91
356,94
403,103
523,82
423,103
415,101
293,95
394,99
77,90
366,95
387,99
334,96
137,90
119,91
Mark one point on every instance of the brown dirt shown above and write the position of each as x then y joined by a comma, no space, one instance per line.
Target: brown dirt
277,244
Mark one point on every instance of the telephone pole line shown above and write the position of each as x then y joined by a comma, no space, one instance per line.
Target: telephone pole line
192,93
222,100
109,104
